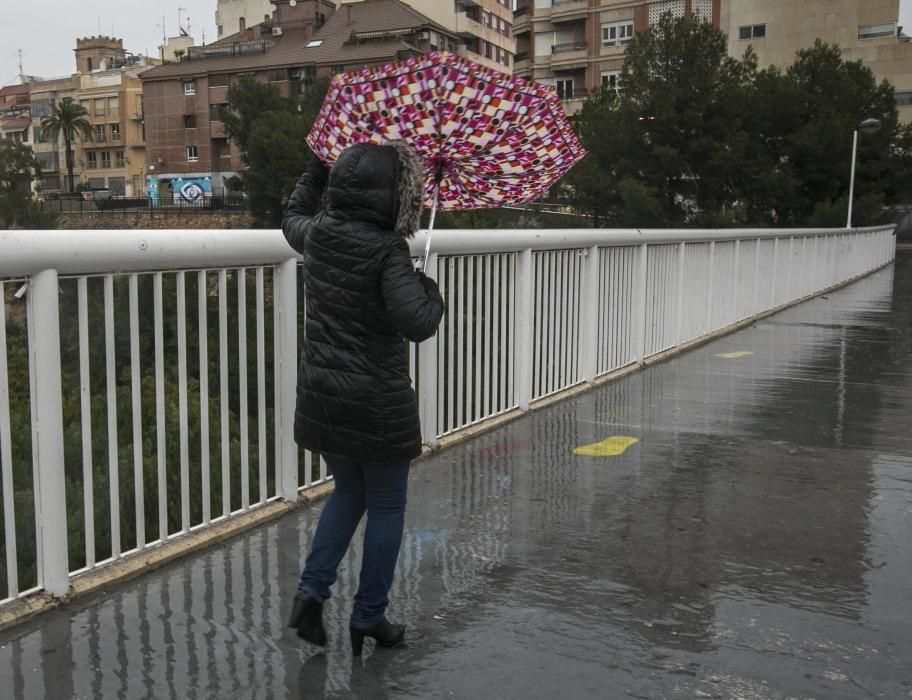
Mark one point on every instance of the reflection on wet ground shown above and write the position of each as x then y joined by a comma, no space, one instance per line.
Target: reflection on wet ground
751,544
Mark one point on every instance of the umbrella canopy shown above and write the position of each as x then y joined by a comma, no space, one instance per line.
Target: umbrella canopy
487,139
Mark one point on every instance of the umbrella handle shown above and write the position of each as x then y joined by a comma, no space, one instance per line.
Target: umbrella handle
427,245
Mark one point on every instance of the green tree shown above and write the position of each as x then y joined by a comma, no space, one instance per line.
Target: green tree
270,132
67,118
18,167
697,138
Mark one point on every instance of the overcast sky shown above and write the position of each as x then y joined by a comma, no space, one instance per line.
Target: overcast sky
46,30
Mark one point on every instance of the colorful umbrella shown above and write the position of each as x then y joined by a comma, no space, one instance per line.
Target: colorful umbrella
487,139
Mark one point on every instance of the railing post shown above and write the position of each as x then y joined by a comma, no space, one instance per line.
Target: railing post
47,431
286,301
427,374
639,329
709,288
736,282
589,342
679,333
525,327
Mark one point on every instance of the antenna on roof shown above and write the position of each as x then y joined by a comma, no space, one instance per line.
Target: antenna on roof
21,72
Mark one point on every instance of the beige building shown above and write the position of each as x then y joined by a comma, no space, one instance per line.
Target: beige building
485,27
578,45
865,30
107,85
233,16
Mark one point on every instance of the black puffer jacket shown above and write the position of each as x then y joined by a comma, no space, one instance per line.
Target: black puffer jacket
355,399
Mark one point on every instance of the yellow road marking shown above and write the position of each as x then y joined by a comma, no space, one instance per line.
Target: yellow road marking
611,447
734,355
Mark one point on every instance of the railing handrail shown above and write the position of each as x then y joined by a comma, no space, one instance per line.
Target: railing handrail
26,252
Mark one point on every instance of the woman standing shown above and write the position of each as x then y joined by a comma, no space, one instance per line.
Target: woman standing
355,402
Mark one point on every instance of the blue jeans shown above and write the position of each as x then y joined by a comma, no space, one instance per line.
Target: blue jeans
380,489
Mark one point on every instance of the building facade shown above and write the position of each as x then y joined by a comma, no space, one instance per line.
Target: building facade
578,45
233,16
188,150
865,30
484,27
106,83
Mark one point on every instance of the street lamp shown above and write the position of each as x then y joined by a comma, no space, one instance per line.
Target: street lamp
867,126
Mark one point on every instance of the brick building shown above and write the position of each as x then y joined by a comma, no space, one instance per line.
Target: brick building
187,147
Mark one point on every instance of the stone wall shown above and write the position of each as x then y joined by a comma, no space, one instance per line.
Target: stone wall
145,218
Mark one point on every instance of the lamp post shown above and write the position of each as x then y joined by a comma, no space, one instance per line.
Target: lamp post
867,126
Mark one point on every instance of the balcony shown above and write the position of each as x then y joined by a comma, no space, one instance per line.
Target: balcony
569,10
569,56
217,130
522,21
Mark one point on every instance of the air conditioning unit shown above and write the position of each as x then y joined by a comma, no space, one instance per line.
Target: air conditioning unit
422,35
277,31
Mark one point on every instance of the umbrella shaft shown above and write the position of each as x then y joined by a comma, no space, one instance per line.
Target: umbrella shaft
427,245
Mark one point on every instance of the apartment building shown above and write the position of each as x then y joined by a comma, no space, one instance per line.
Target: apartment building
578,45
484,28
187,147
865,30
106,83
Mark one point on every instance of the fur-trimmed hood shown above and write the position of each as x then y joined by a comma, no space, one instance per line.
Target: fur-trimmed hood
383,185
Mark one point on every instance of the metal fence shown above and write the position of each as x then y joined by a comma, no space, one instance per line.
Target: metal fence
147,378
78,205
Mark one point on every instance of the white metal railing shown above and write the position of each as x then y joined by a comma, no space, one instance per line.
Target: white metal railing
147,378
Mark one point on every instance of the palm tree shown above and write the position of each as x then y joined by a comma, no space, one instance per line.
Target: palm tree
67,118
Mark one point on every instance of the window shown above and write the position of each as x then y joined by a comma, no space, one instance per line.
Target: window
117,185
335,70
874,31
192,154
100,132
215,112
617,33
41,108
189,121
221,30
99,107
190,87
39,135
96,183
113,105
86,105
903,98
218,80
610,80
91,160
313,44
119,160
106,159
115,132
565,89
276,76
752,31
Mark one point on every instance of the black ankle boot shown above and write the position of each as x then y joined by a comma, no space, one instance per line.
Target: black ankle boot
386,633
307,619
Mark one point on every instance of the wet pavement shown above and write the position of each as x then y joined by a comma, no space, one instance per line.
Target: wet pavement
749,540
